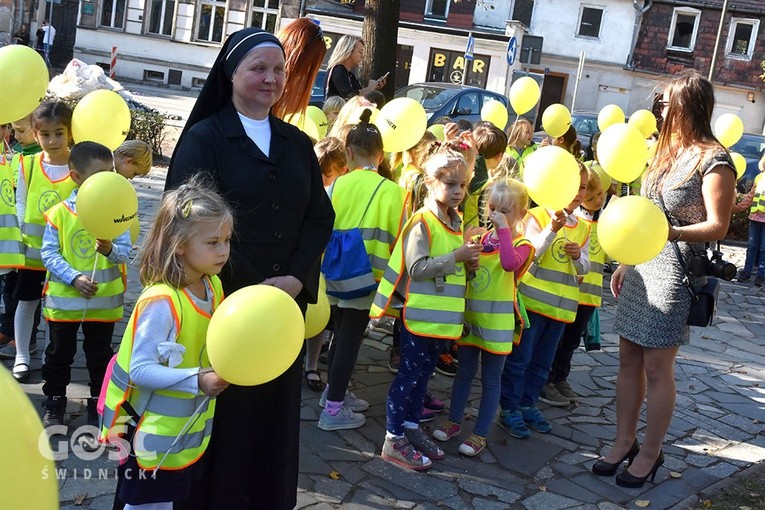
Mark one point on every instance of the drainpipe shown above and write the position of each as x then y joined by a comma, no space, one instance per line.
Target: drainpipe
302,9
638,18
717,41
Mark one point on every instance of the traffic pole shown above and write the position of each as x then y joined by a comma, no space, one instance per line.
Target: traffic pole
113,65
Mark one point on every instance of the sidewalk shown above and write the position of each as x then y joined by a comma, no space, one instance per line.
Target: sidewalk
716,432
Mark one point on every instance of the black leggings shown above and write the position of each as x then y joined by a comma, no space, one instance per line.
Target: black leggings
572,335
350,325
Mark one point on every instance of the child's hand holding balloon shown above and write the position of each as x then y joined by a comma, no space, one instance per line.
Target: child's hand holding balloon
210,383
104,246
85,286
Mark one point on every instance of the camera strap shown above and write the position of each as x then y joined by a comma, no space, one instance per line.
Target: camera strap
680,259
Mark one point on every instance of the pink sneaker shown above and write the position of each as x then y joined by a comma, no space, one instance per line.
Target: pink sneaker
447,430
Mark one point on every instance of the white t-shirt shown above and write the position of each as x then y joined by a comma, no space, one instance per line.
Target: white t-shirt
259,131
50,34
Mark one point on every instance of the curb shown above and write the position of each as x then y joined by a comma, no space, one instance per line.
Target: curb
694,502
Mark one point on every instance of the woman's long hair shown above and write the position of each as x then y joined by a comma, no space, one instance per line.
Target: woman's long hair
304,50
343,49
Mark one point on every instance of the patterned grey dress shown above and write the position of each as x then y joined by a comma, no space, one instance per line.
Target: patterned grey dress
653,305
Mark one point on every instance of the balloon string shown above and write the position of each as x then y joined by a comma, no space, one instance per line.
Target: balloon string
186,427
92,275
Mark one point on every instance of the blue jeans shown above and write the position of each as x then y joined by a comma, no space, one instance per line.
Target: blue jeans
756,243
527,367
491,376
407,392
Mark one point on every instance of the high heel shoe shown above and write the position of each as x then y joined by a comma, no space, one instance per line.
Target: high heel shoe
627,479
603,468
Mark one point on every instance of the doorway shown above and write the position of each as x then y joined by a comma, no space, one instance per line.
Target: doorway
64,20
552,92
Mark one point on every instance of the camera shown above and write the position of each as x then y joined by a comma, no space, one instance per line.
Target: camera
700,265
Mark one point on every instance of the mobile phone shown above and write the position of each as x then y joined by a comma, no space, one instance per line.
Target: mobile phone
384,76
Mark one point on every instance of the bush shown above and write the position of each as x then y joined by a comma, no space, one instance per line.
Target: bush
739,227
149,126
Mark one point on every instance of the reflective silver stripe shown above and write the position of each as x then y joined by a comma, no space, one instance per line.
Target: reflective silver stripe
161,444
378,234
351,284
596,267
68,304
589,288
119,377
428,287
491,335
12,247
101,276
378,263
553,276
32,229
175,407
433,316
8,221
32,253
553,300
482,306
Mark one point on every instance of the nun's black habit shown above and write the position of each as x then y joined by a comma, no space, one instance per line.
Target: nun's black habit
282,222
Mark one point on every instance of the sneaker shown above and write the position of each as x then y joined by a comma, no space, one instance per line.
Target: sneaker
446,365
345,419
55,407
512,422
447,430
473,445
426,415
423,443
551,395
743,276
759,280
401,452
8,351
433,403
395,359
534,419
350,401
382,325
564,388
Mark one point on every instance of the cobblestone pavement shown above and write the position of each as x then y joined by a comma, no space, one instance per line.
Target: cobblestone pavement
716,432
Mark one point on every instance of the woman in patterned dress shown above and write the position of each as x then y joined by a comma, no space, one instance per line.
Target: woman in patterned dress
693,174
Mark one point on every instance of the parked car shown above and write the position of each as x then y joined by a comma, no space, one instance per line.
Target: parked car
752,147
586,125
451,100
317,92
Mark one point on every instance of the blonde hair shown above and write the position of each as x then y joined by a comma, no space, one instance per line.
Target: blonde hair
177,220
350,113
507,195
343,49
508,168
444,161
331,108
139,151
514,135
593,181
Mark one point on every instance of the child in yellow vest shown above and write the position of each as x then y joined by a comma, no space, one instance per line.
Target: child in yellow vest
490,312
755,201
85,288
161,378
11,247
558,391
550,291
425,281
43,182
133,158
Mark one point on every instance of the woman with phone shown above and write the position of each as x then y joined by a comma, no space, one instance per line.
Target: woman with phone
345,58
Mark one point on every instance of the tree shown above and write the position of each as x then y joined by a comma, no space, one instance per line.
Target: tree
380,34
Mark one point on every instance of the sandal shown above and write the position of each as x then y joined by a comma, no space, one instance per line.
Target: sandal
316,384
21,375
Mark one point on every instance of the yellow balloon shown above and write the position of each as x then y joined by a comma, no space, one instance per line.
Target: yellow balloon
255,335
317,316
556,120
739,163
135,230
101,116
106,205
402,123
319,118
524,94
623,152
495,112
605,179
25,81
305,124
438,131
644,121
632,230
609,115
728,129
29,473
551,175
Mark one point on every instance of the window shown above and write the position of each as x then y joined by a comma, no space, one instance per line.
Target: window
683,30
113,13
590,18
741,37
264,14
522,11
437,8
161,16
468,104
212,16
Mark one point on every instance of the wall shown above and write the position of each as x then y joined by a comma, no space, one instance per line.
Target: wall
491,13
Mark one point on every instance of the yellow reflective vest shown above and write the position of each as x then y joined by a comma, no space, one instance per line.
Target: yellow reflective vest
430,308
591,288
758,201
62,301
164,414
520,158
550,286
11,246
491,302
42,194
473,203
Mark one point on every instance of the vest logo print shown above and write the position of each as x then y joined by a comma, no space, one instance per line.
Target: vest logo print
482,279
6,188
558,250
594,244
83,244
47,200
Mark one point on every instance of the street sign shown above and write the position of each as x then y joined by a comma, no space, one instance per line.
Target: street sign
531,49
470,47
512,49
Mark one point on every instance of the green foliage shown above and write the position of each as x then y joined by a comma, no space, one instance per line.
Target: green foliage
148,126
739,227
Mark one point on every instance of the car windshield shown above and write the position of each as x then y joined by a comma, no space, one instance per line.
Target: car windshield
584,124
750,146
431,98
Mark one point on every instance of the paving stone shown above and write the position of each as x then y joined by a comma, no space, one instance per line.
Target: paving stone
609,506
329,490
744,452
721,469
455,503
670,491
482,489
598,431
304,500
389,491
485,504
524,456
571,489
364,500
431,487
548,501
